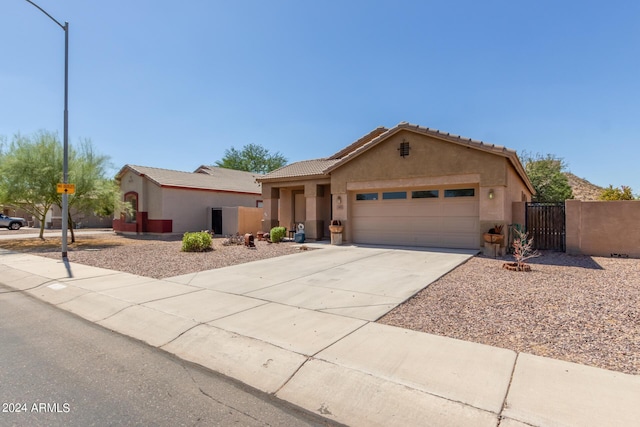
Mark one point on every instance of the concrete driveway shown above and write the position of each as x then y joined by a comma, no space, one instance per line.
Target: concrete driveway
256,322
358,282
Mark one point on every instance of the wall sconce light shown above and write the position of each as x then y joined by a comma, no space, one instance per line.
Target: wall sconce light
339,200
491,194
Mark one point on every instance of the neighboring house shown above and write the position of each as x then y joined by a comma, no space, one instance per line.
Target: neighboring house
407,185
80,219
226,201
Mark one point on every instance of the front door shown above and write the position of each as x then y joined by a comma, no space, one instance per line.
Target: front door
216,221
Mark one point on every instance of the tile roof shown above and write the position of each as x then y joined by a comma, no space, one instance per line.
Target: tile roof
204,178
359,143
305,168
325,166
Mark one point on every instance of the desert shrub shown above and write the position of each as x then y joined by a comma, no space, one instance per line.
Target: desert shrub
618,193
277,234
523,248
196,242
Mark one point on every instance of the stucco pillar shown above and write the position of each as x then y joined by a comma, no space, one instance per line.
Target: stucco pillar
271,197
314,225
340,203
286,208
492,204
493,210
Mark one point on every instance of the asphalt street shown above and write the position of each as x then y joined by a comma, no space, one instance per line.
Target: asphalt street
59,370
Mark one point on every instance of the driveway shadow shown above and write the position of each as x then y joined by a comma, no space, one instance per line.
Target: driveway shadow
564,260
414,248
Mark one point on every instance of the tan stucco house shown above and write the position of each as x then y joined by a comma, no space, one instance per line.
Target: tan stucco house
408,185
210,198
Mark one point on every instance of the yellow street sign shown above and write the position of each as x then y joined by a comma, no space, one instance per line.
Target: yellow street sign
66,188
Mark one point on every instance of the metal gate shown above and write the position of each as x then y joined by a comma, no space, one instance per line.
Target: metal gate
545,223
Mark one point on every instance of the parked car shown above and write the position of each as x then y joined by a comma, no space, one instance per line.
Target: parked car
12,223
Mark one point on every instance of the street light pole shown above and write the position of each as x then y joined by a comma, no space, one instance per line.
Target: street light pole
65,158
65,161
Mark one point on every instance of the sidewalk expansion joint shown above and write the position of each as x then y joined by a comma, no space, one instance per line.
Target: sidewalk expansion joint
181,333
293,374
167,297
501,418
340,339
237,312
506,394
204,393
117,312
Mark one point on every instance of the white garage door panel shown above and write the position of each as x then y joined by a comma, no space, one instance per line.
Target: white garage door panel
387,208
441,222
460,224
398,225
460,208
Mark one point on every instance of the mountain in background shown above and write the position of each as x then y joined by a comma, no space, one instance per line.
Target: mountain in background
583,189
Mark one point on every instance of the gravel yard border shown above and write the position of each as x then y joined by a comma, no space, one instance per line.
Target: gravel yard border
161,257
576,308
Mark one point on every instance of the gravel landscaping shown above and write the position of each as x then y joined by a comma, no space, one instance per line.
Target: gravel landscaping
574,308
160,258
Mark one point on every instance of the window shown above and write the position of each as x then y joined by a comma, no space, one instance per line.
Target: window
394,195
259,204
460,192
367,196
131,199
425,194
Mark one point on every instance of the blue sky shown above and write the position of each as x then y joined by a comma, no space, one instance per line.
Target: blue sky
173,84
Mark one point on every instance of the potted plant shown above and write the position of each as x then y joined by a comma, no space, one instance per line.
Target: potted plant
336,228
494,235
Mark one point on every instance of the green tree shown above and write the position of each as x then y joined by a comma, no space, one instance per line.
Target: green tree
252,158
547,177
30,168
109,199
88,172
618,193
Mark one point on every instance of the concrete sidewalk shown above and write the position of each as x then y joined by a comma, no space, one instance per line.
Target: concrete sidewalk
301,327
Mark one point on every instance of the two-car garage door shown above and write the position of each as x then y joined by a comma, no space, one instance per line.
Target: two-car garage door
436,217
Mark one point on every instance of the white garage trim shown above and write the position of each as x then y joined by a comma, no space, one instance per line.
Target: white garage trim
427,182
418,216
